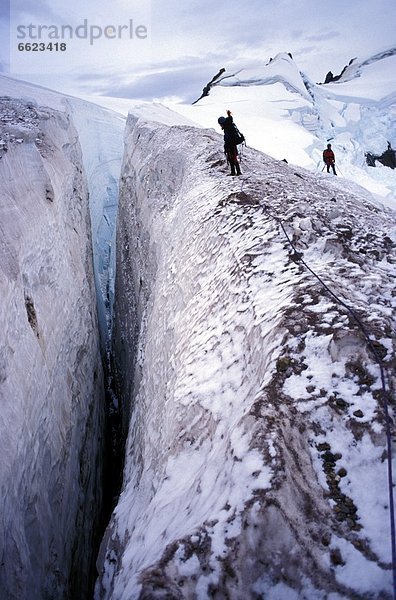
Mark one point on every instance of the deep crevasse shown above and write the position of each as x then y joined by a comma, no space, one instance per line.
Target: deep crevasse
222,346
101,137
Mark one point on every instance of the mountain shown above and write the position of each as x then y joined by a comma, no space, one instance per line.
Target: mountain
356,68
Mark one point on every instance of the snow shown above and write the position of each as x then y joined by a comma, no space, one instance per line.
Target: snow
366,574
245,369
153,111
255,459
287,119
280,69
287,116
51,381
100,134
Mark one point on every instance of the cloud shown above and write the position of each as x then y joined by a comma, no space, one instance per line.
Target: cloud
321,37
184,77
185,83
191,41
39,9
206,26
4,38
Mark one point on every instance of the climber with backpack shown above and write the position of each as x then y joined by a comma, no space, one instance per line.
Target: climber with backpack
232,137
329,159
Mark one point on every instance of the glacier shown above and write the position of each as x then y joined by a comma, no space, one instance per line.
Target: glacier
60,162
255,426
51,372
250,401
287,116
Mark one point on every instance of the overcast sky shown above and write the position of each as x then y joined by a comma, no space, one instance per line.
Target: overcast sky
157,49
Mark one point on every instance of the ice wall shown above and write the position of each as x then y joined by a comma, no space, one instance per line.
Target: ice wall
100,133
51,381
101,138
255,427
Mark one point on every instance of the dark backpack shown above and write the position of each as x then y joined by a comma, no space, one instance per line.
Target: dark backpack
238,137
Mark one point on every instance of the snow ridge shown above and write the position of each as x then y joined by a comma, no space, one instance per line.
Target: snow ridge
354,69
282,69
254,458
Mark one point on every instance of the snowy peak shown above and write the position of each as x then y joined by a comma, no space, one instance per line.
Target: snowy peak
357,68
281,69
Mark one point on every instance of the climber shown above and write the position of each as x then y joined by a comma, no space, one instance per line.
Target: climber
231,140
329,159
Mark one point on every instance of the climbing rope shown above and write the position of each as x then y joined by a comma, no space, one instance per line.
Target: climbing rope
298,257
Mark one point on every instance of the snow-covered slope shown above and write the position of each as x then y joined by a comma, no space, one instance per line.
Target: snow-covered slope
51,382
287,116
255,457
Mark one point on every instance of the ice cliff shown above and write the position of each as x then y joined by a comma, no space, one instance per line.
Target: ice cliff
58,175
51,379
256,453
100,138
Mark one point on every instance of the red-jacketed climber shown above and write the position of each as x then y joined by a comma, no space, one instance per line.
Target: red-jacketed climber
329,159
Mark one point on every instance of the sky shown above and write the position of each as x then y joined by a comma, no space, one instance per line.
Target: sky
152,49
